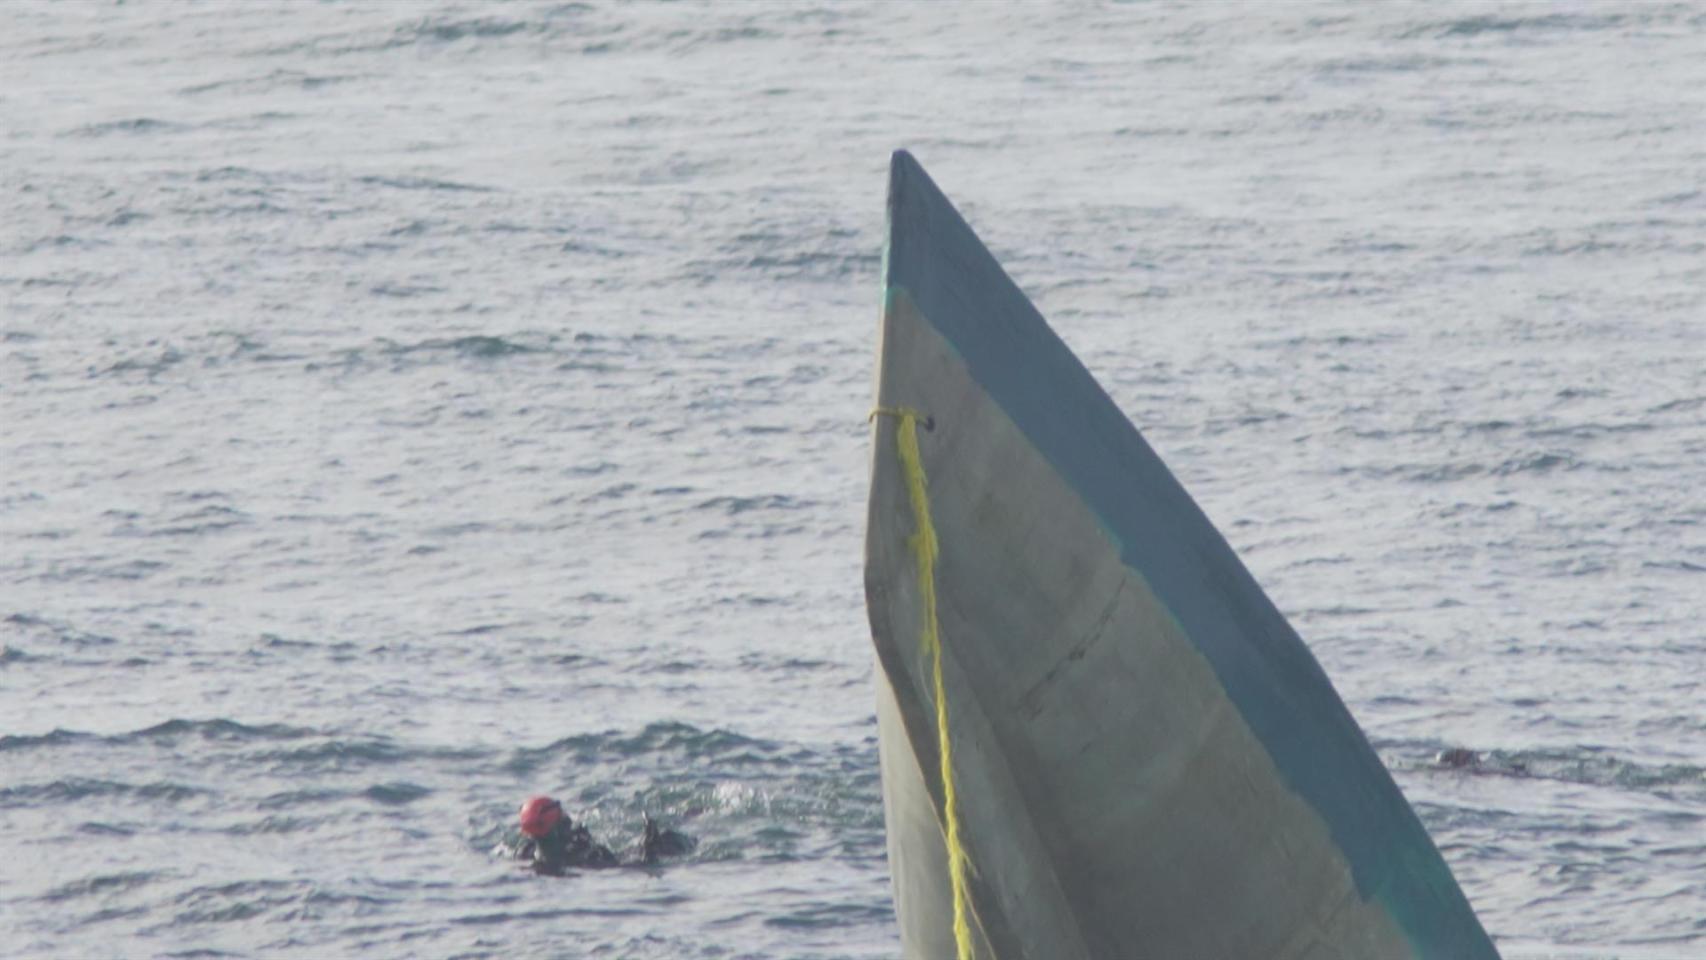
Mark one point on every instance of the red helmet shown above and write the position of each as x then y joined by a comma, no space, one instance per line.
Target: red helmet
539,815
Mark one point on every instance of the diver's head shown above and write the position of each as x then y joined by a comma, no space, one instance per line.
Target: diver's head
539,814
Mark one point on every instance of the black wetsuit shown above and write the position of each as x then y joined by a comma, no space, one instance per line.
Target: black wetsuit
569,847
565,847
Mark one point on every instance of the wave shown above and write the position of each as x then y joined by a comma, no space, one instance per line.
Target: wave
273,824
795,251
330,755
477,346
55,738
568,29
663,737
243,900
168,732
266,83
219,349
58,631
133,126
829,916
1475,26
734,506
422,183
102,884
396,794
445,30
204,520
217,729
1538,463
81,788
1589,766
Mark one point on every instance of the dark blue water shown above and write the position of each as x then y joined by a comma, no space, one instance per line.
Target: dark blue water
407,408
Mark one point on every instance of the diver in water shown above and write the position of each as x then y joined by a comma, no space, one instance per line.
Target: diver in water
556,845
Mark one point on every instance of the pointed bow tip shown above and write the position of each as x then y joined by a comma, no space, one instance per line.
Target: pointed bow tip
902,167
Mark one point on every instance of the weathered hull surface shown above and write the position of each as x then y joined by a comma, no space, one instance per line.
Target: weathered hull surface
1149,762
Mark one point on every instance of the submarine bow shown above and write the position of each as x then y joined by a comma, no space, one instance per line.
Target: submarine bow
1099,737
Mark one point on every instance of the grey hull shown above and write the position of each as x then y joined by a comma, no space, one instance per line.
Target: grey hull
1149,761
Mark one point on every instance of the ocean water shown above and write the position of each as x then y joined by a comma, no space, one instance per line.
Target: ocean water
408,407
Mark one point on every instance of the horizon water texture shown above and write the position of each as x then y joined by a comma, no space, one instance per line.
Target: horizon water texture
405,408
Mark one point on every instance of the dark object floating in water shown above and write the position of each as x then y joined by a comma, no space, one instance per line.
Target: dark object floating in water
1457,758
1099,738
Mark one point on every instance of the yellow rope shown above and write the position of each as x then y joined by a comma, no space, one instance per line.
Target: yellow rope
923,544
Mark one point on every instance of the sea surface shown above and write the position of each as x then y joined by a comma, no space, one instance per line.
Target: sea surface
408,407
